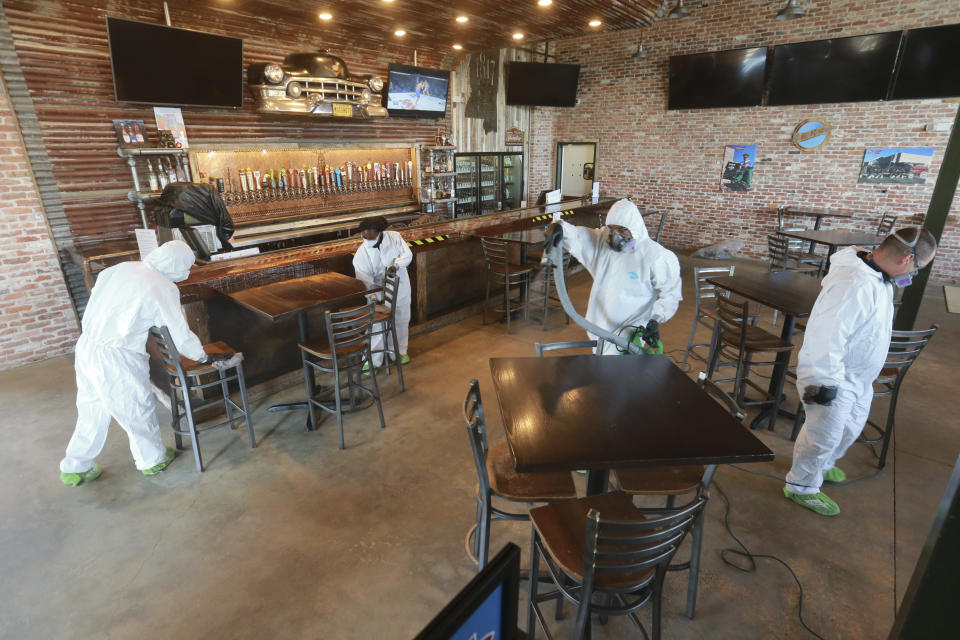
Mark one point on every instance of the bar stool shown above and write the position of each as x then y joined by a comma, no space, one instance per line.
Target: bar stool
343,351
545,297
886,224
384,326
706,312
501,272
184,378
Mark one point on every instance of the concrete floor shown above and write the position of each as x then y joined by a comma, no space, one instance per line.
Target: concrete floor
298,539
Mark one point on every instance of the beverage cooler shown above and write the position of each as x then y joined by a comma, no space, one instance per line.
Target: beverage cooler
488,182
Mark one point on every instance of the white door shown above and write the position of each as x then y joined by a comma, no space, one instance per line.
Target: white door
576,161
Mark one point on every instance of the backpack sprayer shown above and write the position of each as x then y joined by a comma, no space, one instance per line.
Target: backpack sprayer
553,257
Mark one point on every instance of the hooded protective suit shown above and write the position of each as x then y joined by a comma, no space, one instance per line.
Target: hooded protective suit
845,345
632,286
370,262
113,378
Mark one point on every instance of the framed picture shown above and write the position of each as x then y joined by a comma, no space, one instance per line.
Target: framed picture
130,133
895,165
738,160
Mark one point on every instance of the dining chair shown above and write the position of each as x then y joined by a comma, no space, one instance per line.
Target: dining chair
886,224
384,326
603,545
342,352
503,273
706,309
783,258
905,348
186,388
497,478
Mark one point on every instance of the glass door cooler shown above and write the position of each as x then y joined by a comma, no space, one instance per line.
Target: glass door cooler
489,182
511,189
466,186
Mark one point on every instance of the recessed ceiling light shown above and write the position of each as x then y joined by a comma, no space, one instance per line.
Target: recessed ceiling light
462,18
594,23
458,47
518,36
388,0
399,32
544,3
325,16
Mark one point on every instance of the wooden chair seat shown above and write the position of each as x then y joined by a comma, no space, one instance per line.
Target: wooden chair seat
660,481
380,316
757,340
525,487
805,256
515,269
192,367
561,527
321,348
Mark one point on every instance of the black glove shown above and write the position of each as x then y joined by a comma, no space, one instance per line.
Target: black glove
554,235
392,270
819,395
651,334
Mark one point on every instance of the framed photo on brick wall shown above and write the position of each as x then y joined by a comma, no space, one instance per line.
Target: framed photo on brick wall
738,160
895,165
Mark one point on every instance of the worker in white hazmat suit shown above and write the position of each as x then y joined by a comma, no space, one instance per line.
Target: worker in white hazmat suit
636,282
844,348
113,379
381,251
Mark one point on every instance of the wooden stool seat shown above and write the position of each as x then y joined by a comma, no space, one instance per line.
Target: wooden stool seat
757,340
321,348
515,269
660,481
525,487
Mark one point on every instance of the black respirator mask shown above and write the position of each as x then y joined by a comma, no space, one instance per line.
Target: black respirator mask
619,243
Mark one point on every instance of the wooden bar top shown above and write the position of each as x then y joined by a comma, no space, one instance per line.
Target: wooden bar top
789,292
286,298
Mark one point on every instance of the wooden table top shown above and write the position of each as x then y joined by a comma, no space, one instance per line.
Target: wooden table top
789,292
836,237
820,213
601,412
288,297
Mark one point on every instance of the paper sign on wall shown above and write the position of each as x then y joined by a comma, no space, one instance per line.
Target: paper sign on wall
146,241
596,190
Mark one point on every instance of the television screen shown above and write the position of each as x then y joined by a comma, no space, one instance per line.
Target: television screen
731,78
162,65
928,64
416,91
541,84
856,69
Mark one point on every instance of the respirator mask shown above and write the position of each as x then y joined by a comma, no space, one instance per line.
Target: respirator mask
905,279
620,243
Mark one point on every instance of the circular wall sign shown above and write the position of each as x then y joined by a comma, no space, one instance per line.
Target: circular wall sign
811,134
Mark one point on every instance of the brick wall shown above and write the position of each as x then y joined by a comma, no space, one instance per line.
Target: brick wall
671,160
37,320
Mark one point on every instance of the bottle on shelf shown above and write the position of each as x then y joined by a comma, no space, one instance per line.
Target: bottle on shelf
171,172
152,178
138,133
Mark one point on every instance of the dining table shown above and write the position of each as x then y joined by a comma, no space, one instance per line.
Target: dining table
835,238
791,293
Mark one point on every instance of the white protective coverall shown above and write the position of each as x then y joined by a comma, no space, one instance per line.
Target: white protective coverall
370,264
630,287
844,346
113,377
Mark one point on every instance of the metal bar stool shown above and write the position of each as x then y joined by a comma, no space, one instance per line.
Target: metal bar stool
184,378
502,273
545,298
342,352
706,312
384,326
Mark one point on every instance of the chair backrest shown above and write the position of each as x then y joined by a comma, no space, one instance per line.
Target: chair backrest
391,288
905,348
663,220
713,390
477,432
705,290
349,327
621,547
777,247
168,352
495,251
731,314
886,224
541,348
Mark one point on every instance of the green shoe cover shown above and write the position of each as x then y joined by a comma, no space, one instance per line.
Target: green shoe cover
74,479
154,470
817,502
404,358
834,475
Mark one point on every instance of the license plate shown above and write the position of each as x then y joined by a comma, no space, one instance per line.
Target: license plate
345,110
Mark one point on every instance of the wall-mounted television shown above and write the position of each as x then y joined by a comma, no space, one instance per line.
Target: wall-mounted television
162,65
416,91
732,78
541,84
929,64
855,69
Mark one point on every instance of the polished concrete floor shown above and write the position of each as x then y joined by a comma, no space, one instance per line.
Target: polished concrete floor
296,539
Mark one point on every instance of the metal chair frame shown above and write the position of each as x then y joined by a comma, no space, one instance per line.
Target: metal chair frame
546,298
782,258
348,339
180,386
704,292
663,221
387,326
886,224
610,548
497,254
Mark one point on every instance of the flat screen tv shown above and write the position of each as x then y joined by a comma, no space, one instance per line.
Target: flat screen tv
855,69
162,65
416,91
731,78
929,64
540,84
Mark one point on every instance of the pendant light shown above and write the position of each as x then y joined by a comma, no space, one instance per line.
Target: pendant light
792,11
680,11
